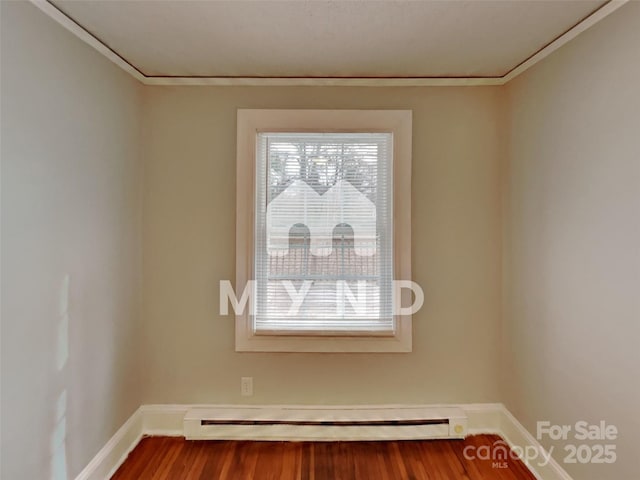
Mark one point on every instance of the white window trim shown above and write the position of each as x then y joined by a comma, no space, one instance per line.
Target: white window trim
250,122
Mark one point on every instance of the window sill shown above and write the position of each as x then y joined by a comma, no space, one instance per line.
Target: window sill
400,342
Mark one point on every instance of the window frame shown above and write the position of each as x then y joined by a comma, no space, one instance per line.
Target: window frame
250,122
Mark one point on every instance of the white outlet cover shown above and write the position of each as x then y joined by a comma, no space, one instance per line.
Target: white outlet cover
246,386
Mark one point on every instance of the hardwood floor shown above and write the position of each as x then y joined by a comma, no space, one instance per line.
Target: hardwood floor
162,458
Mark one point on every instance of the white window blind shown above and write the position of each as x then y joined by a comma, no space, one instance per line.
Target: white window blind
323,233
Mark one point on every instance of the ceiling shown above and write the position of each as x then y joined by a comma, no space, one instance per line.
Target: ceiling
307,38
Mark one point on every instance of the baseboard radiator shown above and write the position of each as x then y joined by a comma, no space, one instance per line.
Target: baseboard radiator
324,423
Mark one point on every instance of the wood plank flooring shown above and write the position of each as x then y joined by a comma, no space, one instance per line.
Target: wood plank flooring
169,458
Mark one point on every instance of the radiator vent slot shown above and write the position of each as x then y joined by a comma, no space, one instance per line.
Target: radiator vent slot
324,423
343,423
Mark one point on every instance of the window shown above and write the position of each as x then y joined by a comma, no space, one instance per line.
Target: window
323,229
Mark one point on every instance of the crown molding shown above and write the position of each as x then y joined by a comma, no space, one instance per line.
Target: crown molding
79,31
326,81
604,11
83,34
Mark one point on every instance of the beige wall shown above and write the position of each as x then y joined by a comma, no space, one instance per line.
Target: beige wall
189,246
573,231
70,209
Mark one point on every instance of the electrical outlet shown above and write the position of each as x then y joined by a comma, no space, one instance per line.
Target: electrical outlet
246,386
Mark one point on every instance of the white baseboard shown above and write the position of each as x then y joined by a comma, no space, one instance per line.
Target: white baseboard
483,417
115,451
164,420
167,420
514,433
